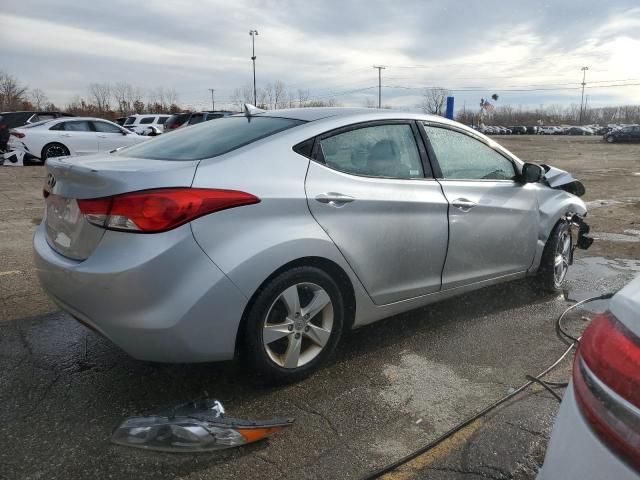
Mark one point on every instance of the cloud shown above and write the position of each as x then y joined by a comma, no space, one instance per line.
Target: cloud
327,47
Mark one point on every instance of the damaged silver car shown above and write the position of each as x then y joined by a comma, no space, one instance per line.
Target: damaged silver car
271,233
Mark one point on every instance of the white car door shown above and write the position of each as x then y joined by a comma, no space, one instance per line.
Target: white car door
78,136
110,136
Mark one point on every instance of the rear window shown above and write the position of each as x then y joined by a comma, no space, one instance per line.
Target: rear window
146,120
130,121
209,139
161,120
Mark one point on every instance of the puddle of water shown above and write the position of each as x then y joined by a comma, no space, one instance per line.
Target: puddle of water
592,276
607,202
616,237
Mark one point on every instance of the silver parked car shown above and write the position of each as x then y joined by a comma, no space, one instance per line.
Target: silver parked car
268,234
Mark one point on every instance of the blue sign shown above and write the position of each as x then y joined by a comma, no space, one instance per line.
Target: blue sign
449,114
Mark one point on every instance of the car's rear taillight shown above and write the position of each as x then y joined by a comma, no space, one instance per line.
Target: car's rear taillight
16,134
606,380
152,211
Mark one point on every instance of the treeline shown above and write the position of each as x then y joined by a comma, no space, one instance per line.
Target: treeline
277,95
103,100
508,115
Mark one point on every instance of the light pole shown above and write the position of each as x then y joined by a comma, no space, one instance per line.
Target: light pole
253,34
380,68
213,104
584,76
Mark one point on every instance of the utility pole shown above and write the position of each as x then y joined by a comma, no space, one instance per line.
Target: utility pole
253,34
380,68
584,76
213,104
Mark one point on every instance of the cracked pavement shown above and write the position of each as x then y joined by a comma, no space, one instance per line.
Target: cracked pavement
391,388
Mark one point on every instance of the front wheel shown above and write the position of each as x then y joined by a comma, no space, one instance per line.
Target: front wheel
610,139
556,258
294,324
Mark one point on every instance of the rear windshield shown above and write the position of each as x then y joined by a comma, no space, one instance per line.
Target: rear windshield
209,139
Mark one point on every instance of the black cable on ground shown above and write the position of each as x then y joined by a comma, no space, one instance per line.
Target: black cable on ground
562,335
544,385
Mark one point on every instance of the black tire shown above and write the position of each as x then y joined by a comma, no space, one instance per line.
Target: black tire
547,279
262,358
611,139
54,149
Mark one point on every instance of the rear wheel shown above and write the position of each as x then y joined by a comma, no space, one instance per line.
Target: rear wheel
610,139
54,150
556,258
294,324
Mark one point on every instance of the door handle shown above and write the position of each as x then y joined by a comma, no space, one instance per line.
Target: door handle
463,204
66,135
102,136
334,199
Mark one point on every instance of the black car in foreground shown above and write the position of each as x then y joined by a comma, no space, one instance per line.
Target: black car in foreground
630,133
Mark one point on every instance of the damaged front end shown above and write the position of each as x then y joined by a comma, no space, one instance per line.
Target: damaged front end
562,180
198,426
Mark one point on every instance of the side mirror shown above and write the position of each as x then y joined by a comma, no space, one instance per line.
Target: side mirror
531,173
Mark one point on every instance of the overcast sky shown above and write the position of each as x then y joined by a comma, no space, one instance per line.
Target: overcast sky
475,48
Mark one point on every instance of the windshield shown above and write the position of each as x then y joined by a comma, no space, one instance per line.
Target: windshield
210,139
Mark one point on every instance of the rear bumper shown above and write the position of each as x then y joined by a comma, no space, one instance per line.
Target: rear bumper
575,452
158,297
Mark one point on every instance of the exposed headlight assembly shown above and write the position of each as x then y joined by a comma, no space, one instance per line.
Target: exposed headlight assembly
199,426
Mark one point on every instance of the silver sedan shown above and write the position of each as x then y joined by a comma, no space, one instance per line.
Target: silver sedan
268,234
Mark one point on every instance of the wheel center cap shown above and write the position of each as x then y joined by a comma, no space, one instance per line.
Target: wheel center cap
298,324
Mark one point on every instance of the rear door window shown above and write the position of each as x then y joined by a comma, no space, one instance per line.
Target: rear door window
196,118
210,139
387,151
105,127
76,126
161,120
130,121
146,120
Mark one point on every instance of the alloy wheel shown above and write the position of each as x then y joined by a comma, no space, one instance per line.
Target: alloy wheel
562,257
55,151
298,325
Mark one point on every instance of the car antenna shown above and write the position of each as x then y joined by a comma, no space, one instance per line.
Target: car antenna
250,110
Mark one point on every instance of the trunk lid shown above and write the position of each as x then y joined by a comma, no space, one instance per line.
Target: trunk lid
72,178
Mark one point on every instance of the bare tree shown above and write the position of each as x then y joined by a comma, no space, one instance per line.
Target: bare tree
171,96
243,95
279,93
303,97
434,100
122,93
38,98
12,92
100,94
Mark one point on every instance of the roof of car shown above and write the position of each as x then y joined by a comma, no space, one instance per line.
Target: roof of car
315,113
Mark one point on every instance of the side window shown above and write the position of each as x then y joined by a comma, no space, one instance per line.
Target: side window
161,120
79,126
147,120
35,118
58,126
463,157
378,151
105,127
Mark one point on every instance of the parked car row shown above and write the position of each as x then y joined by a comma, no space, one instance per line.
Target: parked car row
67,136
556,130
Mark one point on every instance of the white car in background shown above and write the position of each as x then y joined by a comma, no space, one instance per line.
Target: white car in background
146,124
70,136
597,431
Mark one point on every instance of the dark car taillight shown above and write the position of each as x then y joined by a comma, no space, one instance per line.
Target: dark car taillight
152,211
606,381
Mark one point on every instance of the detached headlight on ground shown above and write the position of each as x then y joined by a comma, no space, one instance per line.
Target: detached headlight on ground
200,428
